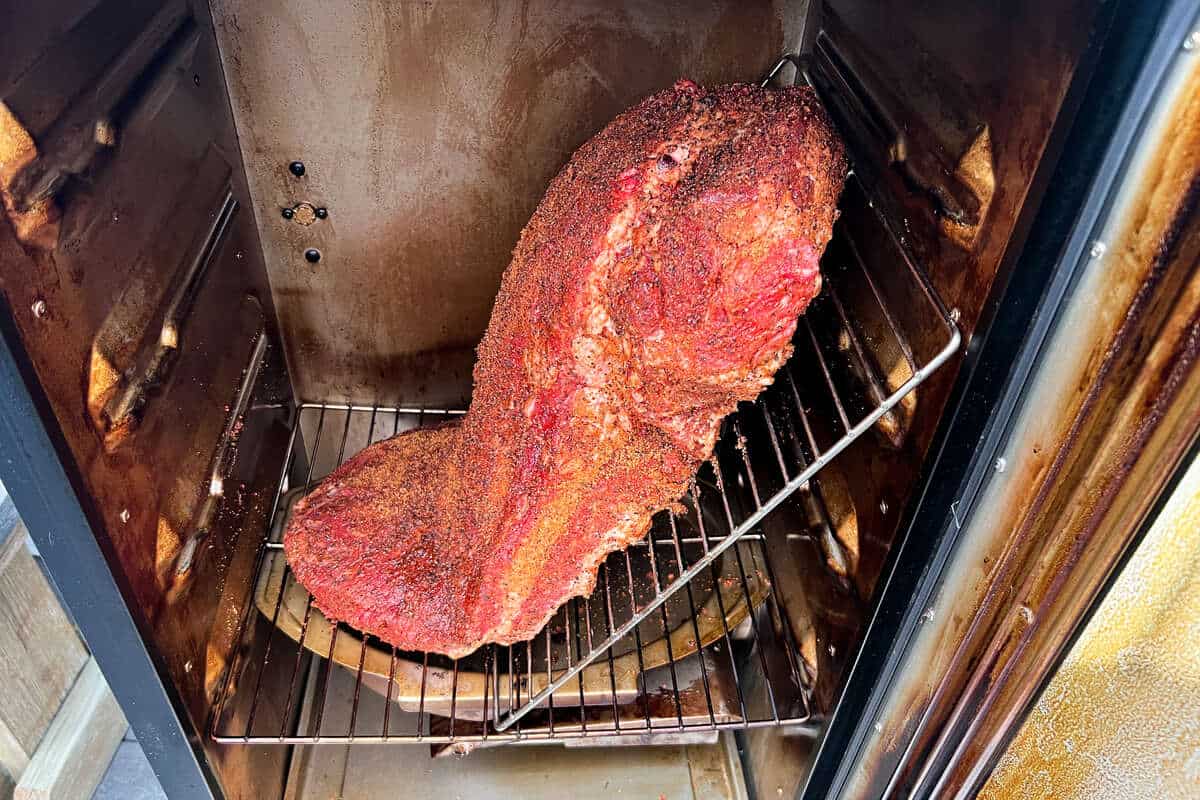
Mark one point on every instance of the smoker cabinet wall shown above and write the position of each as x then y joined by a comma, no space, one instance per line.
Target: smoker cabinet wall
141,340
1050,473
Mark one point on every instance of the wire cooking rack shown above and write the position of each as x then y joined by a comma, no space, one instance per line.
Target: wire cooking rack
720,656
685,630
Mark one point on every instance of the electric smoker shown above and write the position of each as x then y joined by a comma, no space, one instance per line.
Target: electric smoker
244,240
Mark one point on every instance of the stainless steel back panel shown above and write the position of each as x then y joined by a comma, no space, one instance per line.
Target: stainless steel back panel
429,132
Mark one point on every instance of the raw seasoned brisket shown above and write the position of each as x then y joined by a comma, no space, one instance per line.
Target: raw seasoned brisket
658,283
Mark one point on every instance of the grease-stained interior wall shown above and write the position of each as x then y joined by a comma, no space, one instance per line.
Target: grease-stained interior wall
428,132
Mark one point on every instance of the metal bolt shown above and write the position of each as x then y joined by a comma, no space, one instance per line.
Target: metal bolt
196,78
40,308
1001,464
239,255
312,255
287,213
124,515
303,214
321,212
955,315
1026,613
1098,249
927,616
883,507
1192,41
296,168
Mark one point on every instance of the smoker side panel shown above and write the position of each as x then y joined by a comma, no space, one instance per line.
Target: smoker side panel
952,112
976,599
133,284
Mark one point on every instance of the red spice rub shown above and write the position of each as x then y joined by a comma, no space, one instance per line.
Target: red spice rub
658,284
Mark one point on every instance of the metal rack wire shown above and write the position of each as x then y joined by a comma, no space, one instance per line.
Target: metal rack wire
841,349
709,661
685,631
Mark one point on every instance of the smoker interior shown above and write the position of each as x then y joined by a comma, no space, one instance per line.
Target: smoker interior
196,356
720,651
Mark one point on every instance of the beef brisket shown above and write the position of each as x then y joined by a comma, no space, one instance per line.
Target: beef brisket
657,284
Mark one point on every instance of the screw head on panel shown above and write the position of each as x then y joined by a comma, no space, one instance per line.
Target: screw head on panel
40,309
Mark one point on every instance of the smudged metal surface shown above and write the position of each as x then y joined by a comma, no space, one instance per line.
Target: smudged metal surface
125,220
430,132
1121,717
1105,421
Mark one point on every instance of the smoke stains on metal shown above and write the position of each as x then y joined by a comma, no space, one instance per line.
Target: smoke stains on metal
1116,409
435,177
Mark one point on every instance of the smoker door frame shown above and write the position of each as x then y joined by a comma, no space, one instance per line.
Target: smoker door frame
40,475
1129,60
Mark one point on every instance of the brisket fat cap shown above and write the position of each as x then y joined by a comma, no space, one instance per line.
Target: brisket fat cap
657,285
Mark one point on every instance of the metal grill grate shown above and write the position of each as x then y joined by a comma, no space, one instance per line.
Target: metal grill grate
685,631
720,656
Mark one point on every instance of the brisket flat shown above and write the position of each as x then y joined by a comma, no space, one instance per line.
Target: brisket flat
658,283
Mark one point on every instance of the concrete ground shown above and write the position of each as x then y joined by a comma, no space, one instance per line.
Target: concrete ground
129,776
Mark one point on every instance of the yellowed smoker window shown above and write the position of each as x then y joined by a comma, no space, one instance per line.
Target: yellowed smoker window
1121,718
